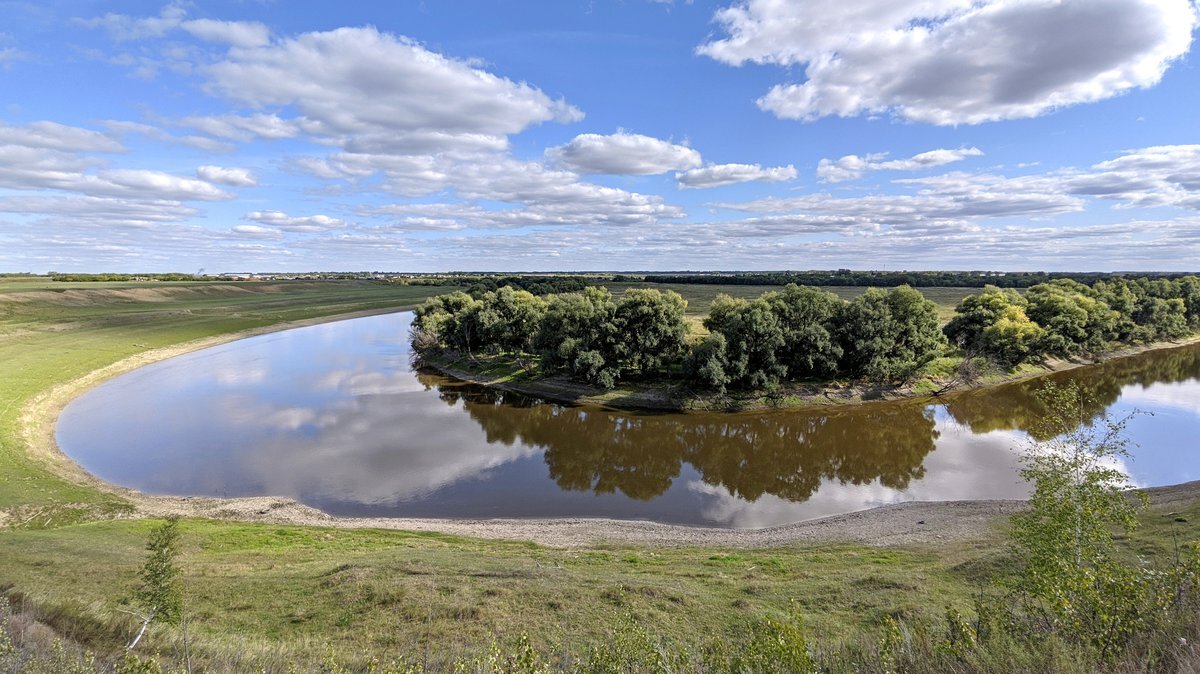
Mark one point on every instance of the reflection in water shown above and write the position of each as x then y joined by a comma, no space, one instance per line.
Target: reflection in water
1015,406
789,455
334,416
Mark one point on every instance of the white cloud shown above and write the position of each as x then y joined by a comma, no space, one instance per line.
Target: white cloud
10,55
153,132
623,153
281,221
717,175
852,167
55,136
375,87
123,28
245,34
257,232
1166,175
243,127
953,61
162,185
108,211
234,177
34,168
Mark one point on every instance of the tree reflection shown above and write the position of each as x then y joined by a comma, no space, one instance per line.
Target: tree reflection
1015,407
786,455
790,455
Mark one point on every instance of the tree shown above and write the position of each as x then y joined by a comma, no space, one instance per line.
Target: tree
807,316
994,323
889,335
753,338
709,361
578,336
159,594
1075,319
1189,292
1012,338
447,321
1065,539
1159,318
509,319
651,331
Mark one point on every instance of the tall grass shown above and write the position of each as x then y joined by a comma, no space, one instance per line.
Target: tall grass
990,641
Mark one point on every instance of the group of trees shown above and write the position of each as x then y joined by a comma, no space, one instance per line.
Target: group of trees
806,333
1067,318
802,333
538,285
885,279
54,276
589,335
797,333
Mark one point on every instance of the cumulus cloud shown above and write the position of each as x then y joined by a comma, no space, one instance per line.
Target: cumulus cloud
852,167
257,232
107,211
718,175
245,34
243,127
623,153
122,27
234,177
369,85
123,128
55,136
1165,175
32,168
953,61
281,221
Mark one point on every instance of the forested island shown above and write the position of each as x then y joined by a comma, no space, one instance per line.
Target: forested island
797,341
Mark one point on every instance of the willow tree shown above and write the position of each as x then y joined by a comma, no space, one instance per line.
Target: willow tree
753,338
889,335
807,317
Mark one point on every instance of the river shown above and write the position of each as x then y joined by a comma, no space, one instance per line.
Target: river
336,416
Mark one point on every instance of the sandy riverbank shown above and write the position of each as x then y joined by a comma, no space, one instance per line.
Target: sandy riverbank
900,524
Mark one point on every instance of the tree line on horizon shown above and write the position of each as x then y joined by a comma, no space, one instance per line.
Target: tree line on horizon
891,279
800,333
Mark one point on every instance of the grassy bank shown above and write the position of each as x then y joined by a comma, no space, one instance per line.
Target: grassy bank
273,596
377,594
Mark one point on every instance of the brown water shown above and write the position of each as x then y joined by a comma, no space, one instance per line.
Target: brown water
335,416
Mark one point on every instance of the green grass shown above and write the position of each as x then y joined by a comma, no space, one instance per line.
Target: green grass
370,592
363,594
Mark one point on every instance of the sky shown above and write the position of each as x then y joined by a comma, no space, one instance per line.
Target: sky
572,135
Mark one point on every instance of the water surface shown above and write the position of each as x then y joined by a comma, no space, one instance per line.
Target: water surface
335,416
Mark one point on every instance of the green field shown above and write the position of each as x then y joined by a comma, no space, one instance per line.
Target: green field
699,296
270,596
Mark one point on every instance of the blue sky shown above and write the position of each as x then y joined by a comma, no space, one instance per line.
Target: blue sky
602,135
